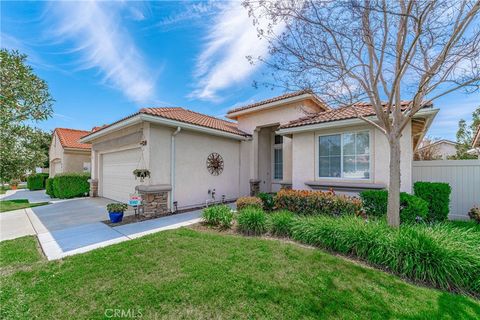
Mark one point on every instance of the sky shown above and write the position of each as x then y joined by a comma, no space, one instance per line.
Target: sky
106,60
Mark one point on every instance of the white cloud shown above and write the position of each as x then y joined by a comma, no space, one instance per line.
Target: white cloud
103,43
223,62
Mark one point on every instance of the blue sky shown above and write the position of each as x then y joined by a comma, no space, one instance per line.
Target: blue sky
106,60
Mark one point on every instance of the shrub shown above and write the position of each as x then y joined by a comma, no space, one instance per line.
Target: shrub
117,207
281,222
268,200
244,202
70,185
252,221
474,214
411,207
49,187
36,181
317,202
219,215
443,255
437,195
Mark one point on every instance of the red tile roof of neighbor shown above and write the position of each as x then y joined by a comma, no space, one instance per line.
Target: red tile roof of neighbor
70,138
275,99
363,109
191,117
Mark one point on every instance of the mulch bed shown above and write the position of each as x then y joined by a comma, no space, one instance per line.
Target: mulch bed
135,218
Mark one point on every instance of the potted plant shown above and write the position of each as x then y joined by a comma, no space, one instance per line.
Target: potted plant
141,173
115,211
14,184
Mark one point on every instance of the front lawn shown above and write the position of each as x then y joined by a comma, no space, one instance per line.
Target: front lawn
203,275
4,189
9,205
19,252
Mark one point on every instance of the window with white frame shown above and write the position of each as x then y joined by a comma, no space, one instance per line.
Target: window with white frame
345,155
278,158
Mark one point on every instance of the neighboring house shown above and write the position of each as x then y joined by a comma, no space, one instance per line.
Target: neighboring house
441,149
293,140
476,144
67,153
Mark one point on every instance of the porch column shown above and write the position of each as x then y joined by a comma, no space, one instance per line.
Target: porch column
254,180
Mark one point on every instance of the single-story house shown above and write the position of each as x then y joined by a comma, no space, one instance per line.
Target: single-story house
291,141
67,153
440,149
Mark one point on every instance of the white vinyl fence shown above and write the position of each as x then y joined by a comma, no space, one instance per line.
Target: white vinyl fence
462,175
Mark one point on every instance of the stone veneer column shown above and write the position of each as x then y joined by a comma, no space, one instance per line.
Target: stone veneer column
155,199
93,188
254,187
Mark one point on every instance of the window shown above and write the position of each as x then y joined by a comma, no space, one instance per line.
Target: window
345,155
278,158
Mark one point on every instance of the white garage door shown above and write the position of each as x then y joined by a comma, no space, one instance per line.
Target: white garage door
118,181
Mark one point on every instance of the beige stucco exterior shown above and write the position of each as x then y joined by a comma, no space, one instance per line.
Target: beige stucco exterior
66,159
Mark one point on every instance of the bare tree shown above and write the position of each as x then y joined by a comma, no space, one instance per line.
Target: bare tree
380,51
428,150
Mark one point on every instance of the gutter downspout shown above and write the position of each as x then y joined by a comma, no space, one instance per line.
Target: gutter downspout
172,167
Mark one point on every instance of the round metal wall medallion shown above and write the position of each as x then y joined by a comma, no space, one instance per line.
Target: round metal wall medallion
214,164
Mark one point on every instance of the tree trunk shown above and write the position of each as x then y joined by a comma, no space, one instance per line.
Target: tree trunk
393,210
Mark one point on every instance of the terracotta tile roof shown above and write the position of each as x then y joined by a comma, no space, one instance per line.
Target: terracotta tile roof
70,138
275,99
191,117
343,113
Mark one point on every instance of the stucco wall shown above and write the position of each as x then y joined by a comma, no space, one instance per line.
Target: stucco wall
305,157
279,115
192,178
73,161
55,154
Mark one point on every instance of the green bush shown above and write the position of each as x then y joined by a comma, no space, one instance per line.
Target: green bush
49,187
71,185
117,207
36,181
280,223
252,221
218,216
437,195
443,255
411,207
268,200
317,202
244,202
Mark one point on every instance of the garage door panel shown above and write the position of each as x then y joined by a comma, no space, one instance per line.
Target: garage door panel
118,181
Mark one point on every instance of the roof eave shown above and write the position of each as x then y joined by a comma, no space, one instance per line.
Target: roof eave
348,122
235,114
163,121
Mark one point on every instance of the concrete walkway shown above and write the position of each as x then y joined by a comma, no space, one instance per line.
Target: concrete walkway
15,224
78,239
31,196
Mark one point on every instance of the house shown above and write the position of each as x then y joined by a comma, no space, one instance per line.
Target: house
436,150
291,141
67,153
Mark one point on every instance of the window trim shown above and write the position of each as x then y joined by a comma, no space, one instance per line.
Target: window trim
274,147
341,133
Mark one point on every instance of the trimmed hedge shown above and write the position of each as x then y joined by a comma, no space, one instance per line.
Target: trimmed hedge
443,256
49,187
317,202
36,181
244,202
375,204
437,195
71,185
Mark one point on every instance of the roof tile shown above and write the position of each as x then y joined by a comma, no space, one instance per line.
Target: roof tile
70,138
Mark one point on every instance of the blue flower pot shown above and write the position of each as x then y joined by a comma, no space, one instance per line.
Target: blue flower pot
115,216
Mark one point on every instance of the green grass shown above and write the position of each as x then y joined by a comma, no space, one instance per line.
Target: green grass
186,274
21,251
9,205
4,189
